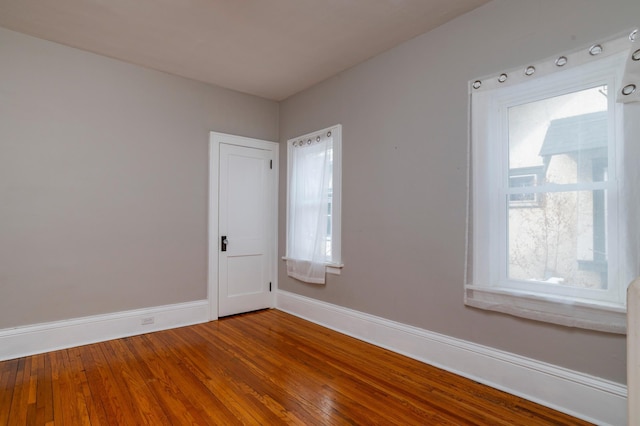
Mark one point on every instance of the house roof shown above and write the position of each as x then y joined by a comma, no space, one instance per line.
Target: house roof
577,133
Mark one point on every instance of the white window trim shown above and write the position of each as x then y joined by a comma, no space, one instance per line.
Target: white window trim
335,266
608,315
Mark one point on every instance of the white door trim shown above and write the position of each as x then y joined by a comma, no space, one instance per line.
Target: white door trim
215,139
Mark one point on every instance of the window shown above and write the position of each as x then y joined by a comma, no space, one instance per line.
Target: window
545,233
523,178
313,205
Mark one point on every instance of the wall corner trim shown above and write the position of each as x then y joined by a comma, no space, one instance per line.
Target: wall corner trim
39,338
587,397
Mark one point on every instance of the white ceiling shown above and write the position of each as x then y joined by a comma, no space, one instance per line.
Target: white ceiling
268,48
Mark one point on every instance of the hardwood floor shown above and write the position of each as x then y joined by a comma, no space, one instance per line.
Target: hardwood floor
261,368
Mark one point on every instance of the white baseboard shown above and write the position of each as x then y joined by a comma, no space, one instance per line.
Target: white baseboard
587,397
40,338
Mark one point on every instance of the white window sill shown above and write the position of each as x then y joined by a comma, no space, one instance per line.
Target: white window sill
332,268
569,312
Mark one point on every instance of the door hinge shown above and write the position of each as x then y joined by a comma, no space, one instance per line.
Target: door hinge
271,164
269,286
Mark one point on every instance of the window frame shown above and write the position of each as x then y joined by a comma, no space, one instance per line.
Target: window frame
490,169
334,264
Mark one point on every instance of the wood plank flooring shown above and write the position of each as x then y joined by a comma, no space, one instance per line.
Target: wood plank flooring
261,368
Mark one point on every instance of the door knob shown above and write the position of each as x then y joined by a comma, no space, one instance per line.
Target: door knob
224,242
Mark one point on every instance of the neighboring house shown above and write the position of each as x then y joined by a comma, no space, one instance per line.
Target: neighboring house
560,238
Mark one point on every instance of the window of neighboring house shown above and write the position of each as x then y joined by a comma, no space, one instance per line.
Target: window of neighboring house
548,144
523,178
313,205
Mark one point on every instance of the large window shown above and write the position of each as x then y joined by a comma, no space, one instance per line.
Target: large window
313,205
545,235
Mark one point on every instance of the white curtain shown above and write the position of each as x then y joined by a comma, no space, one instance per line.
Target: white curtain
310,179
629,170
630,87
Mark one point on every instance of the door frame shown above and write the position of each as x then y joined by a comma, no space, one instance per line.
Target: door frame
215,140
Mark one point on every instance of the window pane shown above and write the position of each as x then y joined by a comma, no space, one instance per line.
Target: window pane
565,137
562,241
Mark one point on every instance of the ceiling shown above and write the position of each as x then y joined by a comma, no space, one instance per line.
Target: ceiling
268,48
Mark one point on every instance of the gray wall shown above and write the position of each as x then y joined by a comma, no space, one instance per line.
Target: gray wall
103,181
404,117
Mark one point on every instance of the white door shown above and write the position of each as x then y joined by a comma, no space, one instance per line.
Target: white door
246,234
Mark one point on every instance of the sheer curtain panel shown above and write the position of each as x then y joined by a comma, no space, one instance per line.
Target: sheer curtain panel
310,179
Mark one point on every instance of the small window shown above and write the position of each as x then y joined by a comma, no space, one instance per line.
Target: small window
313,204
524,178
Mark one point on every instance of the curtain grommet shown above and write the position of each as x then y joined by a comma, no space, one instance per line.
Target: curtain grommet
636,55
530,70
634,35
561,61
503,77
628,89
476,84
596,49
